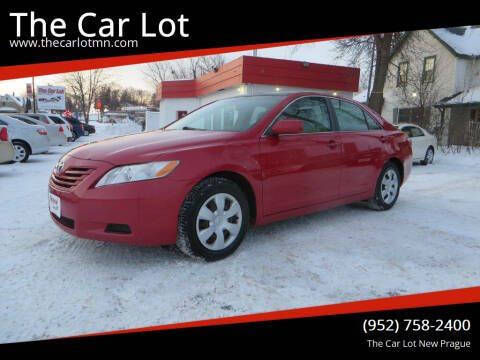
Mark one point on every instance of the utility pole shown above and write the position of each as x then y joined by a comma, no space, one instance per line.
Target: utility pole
33,95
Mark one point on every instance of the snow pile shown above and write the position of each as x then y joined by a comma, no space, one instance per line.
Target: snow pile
108,130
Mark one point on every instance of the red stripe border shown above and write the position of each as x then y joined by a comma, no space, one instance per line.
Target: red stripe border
40,69
430,299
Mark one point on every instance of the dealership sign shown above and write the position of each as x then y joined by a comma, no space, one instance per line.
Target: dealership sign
50,97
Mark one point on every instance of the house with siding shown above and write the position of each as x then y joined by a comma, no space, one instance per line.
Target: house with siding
434,81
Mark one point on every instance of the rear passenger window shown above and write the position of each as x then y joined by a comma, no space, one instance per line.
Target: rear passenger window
371,122
349,116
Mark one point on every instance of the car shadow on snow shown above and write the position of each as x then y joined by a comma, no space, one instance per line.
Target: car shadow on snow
120,254
298,225
112,254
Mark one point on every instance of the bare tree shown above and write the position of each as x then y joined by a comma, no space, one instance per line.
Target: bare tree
193,68
380,48
83,88
157,72
190,68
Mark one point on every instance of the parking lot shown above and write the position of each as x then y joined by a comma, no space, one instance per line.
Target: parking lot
52,284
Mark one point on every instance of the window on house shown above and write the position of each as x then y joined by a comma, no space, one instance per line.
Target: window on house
402,74
475,115
428,68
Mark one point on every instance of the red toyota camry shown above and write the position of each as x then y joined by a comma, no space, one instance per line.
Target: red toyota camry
249,160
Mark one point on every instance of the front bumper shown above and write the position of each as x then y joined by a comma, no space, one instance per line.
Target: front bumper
149,208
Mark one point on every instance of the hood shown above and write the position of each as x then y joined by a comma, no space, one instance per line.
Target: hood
144,147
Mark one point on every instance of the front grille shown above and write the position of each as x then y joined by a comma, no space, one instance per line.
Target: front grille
71,177
70,223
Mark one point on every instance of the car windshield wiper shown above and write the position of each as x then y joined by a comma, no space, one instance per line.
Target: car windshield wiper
191,128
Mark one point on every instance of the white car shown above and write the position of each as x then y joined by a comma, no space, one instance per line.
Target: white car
7,152
67,128
424,144
56,133
26,139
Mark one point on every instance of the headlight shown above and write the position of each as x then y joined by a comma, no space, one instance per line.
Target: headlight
130,173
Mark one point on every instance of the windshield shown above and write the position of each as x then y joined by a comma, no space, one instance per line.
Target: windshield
235,114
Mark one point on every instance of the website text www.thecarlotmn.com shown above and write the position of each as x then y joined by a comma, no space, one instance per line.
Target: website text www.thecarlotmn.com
73,43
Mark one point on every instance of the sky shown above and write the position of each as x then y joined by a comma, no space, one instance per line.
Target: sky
132,75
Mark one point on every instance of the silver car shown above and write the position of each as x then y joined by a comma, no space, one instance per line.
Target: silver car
26,139
56,134
57,119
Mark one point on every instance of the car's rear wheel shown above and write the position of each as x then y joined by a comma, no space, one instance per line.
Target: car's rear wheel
22,153
387,188
213,219
428,156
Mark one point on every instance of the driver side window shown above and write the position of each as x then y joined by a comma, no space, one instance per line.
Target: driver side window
312,111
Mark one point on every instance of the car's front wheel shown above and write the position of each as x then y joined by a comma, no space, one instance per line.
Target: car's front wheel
213,219
387,188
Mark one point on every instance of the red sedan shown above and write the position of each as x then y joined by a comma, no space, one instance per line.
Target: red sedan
249,160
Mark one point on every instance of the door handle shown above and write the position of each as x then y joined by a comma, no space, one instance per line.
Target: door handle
332,144
383,139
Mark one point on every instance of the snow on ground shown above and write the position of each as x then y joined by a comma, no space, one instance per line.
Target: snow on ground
52,284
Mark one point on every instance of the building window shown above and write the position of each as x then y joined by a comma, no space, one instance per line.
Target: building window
181,114
402,74
475,115
428,68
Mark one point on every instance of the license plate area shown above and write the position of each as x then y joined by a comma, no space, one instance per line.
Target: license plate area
55,205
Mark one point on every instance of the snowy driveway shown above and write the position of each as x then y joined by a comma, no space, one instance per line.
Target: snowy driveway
52,284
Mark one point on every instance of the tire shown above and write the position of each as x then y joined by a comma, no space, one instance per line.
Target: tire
200,205
387,188
428,156
22,152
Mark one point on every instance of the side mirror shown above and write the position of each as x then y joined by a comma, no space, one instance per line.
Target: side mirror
287,126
